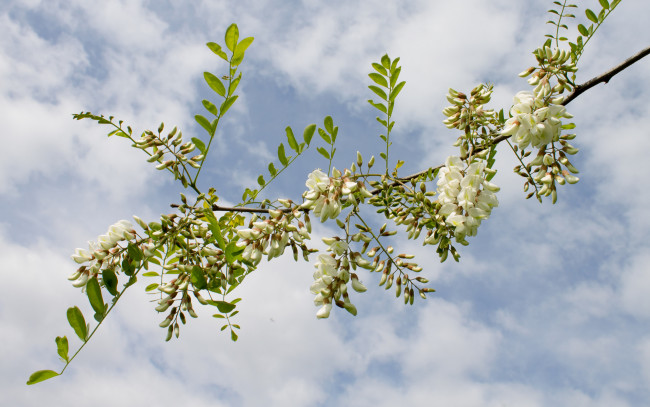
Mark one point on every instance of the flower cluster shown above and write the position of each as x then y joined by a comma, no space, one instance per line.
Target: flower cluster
533,123
326,195
271,236
101,252
465,196
468,111
536,121
331,278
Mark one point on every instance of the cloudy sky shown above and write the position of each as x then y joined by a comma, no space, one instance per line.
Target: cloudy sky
550,305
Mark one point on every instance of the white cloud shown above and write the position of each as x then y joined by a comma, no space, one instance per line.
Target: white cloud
541,310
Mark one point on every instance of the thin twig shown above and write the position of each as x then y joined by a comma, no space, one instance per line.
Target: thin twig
604,78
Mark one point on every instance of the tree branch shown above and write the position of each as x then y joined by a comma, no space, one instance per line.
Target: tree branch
604,78
579,89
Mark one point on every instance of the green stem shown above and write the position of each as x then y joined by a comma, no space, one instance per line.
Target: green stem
398,268
119,295
557,27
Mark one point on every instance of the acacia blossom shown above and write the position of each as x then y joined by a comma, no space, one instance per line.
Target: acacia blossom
271,236
99,251
533,123
331,278
325,195
465,196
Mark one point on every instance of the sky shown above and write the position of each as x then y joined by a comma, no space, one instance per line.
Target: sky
549,305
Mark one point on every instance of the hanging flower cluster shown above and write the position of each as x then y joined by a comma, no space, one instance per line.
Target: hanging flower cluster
271,236
331,277
101,253
465,196
532,123
327,195
537,120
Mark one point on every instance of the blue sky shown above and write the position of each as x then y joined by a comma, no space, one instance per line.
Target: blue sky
549,305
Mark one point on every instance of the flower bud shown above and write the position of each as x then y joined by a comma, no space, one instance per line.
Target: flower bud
570,178
324,311
349,307
356,284
166,322
527,72
548,159
81,281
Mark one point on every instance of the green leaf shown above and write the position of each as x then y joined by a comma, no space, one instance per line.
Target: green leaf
216,48
323,152
568,126
134,252
233,336
151,287
223,306
378,91
393,66
227,103
199,144
233,85
396,91
395,75
198,278
272,170
41,375
261,181
282,156
583,30
326,137
210,107
215,83
215,228
309,133
385,61
604,4
378,79
110,281
380,69
205,123
291,139
128,267
94,293
238,56
329,124
62,347
77,322
379,106
591,16
232,35
232,252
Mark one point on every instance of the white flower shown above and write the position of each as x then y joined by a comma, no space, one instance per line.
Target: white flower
356,284
317,181
465,197
324,311
81,256
336,246
532,122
